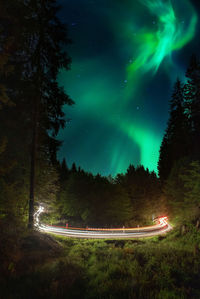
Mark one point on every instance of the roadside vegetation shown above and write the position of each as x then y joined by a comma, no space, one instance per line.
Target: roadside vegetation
58,267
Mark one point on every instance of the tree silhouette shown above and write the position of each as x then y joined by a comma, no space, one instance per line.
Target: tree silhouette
175,142
192,104
37,55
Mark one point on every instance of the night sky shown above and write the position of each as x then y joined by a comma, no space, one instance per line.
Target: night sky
126,55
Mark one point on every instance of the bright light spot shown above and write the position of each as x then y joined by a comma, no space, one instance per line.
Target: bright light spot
37,215
163,220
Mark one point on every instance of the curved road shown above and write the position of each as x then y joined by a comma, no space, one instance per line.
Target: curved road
161,227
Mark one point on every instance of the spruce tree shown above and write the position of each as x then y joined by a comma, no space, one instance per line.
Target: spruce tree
39,53
73,168
46,38
192,105
175,143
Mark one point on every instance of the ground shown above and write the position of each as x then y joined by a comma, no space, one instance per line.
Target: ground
46,266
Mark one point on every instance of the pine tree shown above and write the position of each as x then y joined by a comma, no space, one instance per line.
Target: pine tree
39,53
46,39
73,168
175,144
192,105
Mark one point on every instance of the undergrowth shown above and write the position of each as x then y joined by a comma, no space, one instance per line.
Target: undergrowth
159,267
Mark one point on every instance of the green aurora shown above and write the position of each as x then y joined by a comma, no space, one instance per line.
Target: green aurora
123,68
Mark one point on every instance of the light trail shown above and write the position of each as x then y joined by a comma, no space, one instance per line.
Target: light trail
161,227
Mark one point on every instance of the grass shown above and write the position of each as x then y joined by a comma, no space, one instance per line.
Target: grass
157,267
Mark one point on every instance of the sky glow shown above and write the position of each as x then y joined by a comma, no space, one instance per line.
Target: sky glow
125,58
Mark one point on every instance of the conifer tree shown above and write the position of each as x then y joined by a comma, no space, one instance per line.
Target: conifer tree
64,171
73,168
38,54
192,105
46,37
175,144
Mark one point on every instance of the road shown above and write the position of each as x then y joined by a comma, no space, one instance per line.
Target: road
161,227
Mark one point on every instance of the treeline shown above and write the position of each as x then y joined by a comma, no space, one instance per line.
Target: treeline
87,200
32,43
179,163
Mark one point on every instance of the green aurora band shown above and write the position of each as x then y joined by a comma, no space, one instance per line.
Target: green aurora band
153,48
102,100
171,35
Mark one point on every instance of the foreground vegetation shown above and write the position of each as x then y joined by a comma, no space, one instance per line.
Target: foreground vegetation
42,266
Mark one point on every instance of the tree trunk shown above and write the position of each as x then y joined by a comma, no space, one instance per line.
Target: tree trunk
32,169
35,131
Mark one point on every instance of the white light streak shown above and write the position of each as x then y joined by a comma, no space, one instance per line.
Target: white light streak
160,228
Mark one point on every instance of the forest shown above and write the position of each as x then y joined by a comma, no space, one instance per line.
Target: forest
33,43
